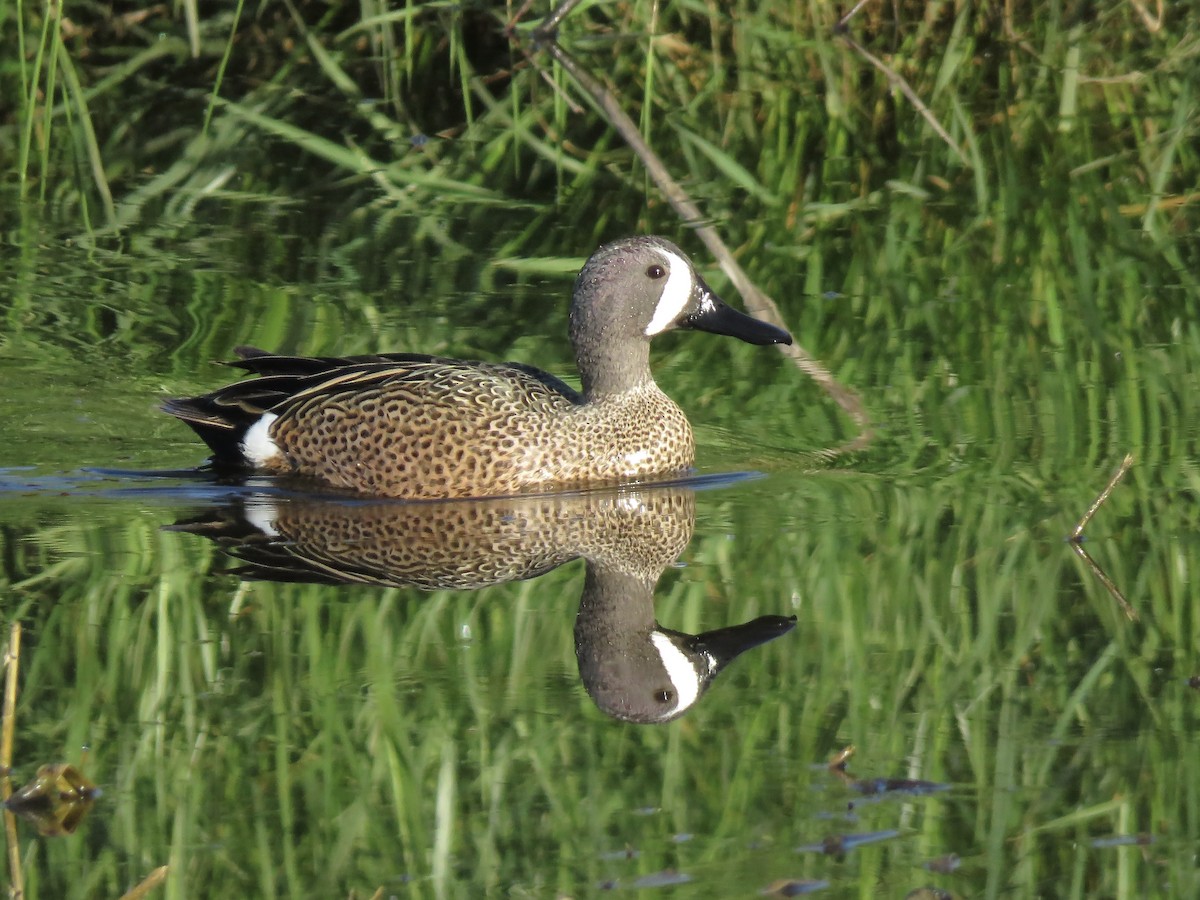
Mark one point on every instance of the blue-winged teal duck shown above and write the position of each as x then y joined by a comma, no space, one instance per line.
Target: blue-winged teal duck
422,427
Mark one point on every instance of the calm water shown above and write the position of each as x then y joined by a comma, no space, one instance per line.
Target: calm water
1015,732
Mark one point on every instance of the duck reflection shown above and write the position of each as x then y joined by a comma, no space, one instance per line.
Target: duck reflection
633,668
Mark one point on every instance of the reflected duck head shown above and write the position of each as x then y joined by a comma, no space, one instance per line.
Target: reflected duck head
637,671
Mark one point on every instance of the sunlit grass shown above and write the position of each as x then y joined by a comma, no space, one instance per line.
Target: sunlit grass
1017,322
770,119
365,736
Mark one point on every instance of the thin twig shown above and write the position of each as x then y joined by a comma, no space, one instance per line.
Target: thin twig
517,17
545,31
905,88
12,667
844,22
548,29
757,302
1153,23
1076,539
842,30
1108,583
1077,534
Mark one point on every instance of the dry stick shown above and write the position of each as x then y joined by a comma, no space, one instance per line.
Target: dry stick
1115,591
1076,538
547,28
147,884
1153,23
12,665
516,17
757,302
897,80
544,32
1077,534
841,23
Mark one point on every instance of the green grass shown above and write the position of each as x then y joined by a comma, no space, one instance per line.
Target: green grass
1017,322
283,739
764,112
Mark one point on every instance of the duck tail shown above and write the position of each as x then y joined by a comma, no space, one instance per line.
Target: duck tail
221,426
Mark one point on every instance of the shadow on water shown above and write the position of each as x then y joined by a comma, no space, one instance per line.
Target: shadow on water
633,668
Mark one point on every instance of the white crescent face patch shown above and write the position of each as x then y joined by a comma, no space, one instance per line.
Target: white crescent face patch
675,294
680,670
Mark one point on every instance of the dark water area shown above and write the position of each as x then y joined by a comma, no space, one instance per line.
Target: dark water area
418,723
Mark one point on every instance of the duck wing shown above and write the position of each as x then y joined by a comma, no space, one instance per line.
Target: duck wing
285,383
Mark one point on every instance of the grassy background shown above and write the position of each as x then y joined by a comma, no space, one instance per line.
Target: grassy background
1016,312
1062,219
289,740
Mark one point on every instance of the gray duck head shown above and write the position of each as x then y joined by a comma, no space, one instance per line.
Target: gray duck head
636,670
633,289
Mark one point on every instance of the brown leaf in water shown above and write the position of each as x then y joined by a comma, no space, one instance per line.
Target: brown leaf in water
56,800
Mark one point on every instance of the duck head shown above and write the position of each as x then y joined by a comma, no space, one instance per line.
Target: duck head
633,289
637,671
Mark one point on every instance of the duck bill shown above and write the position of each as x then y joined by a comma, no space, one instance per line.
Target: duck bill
714,315
721,647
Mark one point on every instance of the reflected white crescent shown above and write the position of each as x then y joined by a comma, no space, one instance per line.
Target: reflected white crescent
262,512
680,670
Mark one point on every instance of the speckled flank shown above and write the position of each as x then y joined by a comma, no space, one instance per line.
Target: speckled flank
450,430
474,543
419,427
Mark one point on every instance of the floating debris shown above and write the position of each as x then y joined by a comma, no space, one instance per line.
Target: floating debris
944,865
1124,840
838,763
930,893
874,786
1075,539
840,844
792,888
665,878
56,800
627,852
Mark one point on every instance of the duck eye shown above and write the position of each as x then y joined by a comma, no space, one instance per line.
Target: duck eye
656,271
664,696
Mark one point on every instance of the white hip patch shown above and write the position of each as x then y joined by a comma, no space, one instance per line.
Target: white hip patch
258,446
262,513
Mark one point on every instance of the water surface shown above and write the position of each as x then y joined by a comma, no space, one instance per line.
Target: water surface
1013,730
